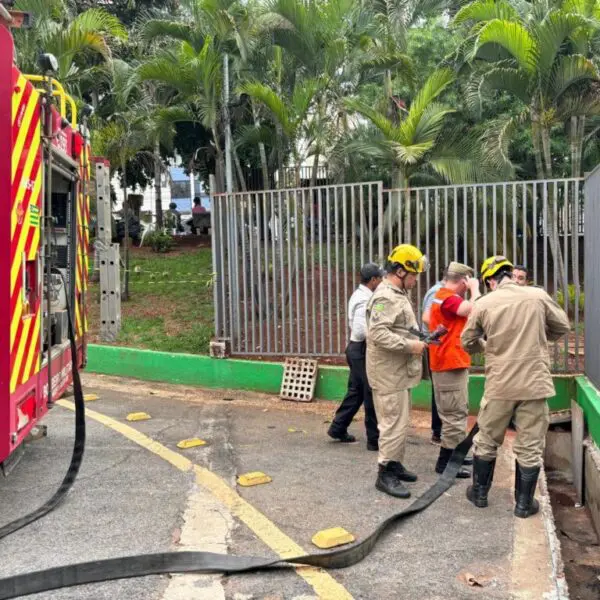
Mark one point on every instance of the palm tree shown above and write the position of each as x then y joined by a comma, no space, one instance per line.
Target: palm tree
81,43
534,56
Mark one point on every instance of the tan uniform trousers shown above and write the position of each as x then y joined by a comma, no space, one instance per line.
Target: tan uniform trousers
393,418
452,401
531,418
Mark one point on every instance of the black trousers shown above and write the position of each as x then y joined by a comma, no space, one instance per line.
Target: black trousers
436,422
359,393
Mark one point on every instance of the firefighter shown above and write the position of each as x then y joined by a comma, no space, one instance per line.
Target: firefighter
517,322
449,362
394,363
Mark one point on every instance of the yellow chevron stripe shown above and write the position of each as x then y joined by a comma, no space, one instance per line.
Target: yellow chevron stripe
19,144
14,324
25,177
20,354
17,97
17,258
33,366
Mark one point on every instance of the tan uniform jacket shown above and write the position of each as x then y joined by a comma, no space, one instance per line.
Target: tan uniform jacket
390,366
517,322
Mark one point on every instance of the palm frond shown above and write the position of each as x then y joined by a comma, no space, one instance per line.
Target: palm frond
570,71
274,103
482,11
383,124
514,38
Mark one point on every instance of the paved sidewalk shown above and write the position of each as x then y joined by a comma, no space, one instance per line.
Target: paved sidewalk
131,500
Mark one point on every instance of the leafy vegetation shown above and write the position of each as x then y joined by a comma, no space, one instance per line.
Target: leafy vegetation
412,91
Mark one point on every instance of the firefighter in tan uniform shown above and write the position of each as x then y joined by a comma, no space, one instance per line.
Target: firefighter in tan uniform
449,362
394,363
516,323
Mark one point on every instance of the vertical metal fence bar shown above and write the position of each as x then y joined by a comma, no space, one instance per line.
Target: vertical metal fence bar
244,278
281,245
362,224
256,236
535,232
465,225
345,256
337,270
297,229
322,305
390,212
408,214
576,272
290,296
504,204
216,275
313,261
275,240
380,223
400,209
437,233
370,214
524,225
329,287
545,230
475,238
426,230
556,247
566,295
456,209
305,193
446,226
353,229
252,278
484,219
418,243
229,268
495,219
514,221
266,269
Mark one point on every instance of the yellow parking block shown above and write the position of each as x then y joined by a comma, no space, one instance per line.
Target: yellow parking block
254,478
138,416
191,443
330,538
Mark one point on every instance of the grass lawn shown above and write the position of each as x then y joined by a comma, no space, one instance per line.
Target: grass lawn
171,302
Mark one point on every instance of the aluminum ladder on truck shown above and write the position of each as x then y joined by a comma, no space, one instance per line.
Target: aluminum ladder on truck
108,258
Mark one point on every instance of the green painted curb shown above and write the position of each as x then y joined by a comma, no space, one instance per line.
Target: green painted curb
588,397
195,369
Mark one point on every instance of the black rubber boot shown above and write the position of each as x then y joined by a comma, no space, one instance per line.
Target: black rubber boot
388,482
468,461
373,446
402,473
344,437
442,461
483,473
525,482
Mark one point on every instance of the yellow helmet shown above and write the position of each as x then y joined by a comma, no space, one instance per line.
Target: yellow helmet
491,266
410,257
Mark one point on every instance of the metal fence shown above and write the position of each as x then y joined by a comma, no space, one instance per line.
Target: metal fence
288,260
592,278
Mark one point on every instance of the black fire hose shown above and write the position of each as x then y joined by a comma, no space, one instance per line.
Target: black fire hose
191,562
78,446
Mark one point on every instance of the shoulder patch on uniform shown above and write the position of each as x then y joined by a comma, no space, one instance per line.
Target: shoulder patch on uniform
379,306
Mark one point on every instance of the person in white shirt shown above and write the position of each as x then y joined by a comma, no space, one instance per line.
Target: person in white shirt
359,392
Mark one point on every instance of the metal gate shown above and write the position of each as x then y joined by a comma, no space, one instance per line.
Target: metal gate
286,261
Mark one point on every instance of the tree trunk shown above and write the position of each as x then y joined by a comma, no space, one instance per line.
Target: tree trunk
220,163
552,232
315,169
239,170
261,151
126,231
158,187
537,148
281,177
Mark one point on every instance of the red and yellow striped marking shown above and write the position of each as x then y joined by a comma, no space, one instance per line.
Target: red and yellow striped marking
26,195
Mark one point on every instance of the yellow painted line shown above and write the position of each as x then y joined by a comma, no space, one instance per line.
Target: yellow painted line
324,584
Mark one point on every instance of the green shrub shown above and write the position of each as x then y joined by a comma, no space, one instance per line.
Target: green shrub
560,298
160,241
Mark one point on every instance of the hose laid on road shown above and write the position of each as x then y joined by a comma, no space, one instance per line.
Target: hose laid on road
78,446
190,562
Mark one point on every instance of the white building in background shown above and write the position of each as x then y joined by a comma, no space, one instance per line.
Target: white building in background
176,187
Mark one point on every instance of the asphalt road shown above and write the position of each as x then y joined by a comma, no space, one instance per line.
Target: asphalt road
129,500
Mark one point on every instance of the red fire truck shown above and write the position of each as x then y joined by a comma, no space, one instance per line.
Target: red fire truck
44,214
